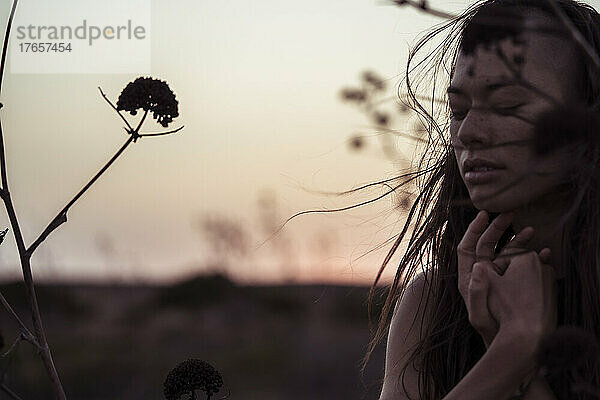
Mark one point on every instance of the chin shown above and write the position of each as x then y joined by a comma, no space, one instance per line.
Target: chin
494,205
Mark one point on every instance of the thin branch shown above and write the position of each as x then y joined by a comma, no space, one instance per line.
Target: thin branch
12,346
9,392
24,330
137,128
6,37
422,6
40,334
161,133
115,108
61,217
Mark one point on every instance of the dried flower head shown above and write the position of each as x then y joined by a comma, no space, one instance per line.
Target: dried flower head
373,80
356,95
150,95
191,375
356,142
381,119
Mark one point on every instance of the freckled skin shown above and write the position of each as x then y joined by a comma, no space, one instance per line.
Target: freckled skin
530,181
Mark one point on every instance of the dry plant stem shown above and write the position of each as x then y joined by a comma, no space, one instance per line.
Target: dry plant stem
25,332
44,350
25,258
161,133
9,392
5,44
61,217
427,9
129,128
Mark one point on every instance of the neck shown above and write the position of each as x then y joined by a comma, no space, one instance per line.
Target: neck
545,218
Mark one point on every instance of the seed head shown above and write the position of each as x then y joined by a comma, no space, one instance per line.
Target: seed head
191,375
150,95
356,95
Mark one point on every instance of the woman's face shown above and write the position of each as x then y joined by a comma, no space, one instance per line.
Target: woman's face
489,111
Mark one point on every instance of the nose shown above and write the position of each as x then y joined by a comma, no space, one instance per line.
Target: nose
473,131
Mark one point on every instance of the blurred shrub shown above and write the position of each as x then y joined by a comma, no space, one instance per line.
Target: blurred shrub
52,298
352,307
280,300
197,292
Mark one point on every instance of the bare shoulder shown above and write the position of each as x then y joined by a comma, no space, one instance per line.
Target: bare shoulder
402,337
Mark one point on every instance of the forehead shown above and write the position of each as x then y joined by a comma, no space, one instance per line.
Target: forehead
547,59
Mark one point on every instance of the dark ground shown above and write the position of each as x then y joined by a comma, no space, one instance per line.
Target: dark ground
268,342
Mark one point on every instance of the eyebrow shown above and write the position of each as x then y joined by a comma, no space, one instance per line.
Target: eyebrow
488,88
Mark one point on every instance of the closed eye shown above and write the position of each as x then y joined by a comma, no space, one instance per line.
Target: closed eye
502,110
506,110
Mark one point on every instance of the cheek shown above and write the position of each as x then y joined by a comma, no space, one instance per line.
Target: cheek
547,172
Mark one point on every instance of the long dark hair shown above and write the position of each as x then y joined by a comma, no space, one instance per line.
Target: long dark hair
442,210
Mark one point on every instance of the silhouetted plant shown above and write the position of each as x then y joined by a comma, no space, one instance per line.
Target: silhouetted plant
150,95
191,376
146,93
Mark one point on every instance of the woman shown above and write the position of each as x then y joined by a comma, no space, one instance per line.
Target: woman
470,324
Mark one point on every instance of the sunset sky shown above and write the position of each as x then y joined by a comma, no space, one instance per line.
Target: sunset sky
258,88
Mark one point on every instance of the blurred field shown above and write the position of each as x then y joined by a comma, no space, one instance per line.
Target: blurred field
269,342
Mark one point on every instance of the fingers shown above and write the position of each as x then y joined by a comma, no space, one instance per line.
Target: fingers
467,245
488,240
521,239
479,315
545,255
517,244
466,251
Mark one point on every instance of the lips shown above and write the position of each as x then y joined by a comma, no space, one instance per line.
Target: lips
476,175
472,163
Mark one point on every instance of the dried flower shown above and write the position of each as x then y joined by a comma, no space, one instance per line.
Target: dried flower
381,119
403,108
353,95
150,95
373,80
356,142
191,375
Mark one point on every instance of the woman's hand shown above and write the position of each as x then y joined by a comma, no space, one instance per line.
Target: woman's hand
475,255
523,300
